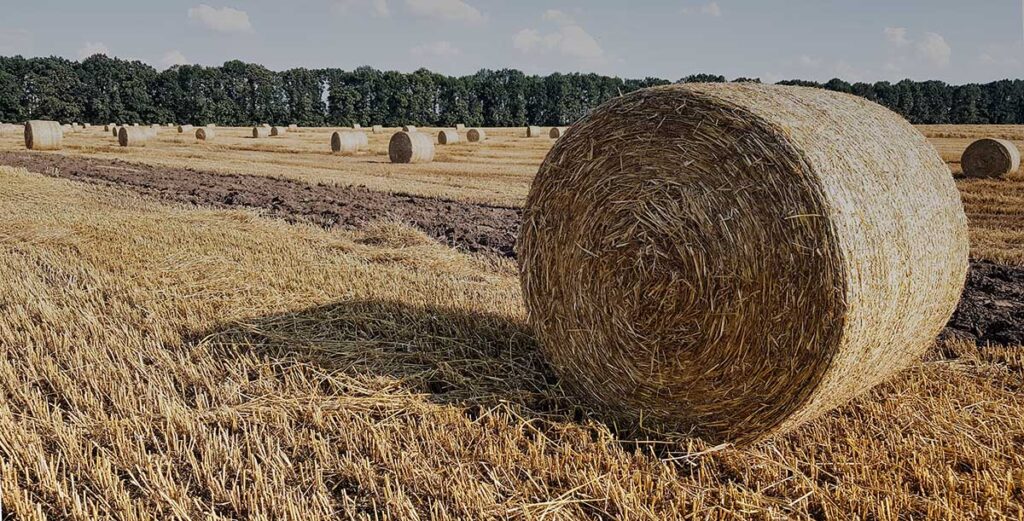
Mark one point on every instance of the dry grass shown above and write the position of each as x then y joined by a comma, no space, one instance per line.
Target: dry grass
172,362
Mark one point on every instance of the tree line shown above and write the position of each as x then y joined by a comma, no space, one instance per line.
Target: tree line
100,89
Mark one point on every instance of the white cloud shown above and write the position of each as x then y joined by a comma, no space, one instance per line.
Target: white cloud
896,36
808,61
558,17
441,49
935,49
225,19
378,8
447,10
569,40
172,58
15,41
91,48
908,52
710,9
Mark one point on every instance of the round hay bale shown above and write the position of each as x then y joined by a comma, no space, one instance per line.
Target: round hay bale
43,135
378,129
460,127
475,135
258,132
447,137
185,129
990,158
114,130
86,125
267,125
205,134
108,127
408,128
278,131
133,136
356,126
67,128
556,132
347,143
293,126
731,260
411,147
533,131
135,124
211,125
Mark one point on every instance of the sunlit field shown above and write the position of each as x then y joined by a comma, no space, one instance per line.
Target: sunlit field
168,360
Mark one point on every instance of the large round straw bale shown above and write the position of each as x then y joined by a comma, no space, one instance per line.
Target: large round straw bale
109,127
990,158
411,147
447,137
475,135
278,131
211,125
731,260
356,126
533,131
265,125
185,129
43,135
135,124
205,134
134,136
378,129
347,142
460,127
114,130
293,126
556,132
258,132
408,128
86,125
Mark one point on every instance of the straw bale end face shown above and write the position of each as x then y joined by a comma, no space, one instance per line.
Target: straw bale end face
990,158
731,260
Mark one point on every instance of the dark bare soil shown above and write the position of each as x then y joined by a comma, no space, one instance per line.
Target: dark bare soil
467,226
991,310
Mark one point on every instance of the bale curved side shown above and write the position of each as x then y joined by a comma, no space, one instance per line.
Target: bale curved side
989,158
43,135
411,147
447,137
732,260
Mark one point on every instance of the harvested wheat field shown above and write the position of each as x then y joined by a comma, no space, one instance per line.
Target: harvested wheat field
257,328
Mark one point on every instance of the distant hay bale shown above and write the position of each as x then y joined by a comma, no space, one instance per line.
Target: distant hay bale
278,131
378,129
258,132
185,129
155,125
43,135
67,128
86,125
357,126
267,125
293,126
447,137
134,136
205,134
114,130
460,127
211,125
556,132
408,128
9,129
990,158
347,142
476,135
732,260
135,124
108,127
411,147
533,131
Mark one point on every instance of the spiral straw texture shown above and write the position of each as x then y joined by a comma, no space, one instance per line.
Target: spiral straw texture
731,260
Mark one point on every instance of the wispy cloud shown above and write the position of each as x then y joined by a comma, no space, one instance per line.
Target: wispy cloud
224,19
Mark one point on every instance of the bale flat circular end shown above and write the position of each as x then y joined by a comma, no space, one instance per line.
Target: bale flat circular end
990,158
447,137
43,135
475,135
556,132
731,260
411,147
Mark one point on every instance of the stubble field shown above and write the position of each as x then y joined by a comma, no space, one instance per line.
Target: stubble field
230,331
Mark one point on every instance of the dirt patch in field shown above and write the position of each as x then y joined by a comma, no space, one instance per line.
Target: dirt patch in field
991,309
470,227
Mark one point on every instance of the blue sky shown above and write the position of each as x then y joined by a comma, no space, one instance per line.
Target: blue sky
864,40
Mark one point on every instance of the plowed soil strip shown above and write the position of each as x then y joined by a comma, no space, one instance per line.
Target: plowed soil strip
470,227
991,309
